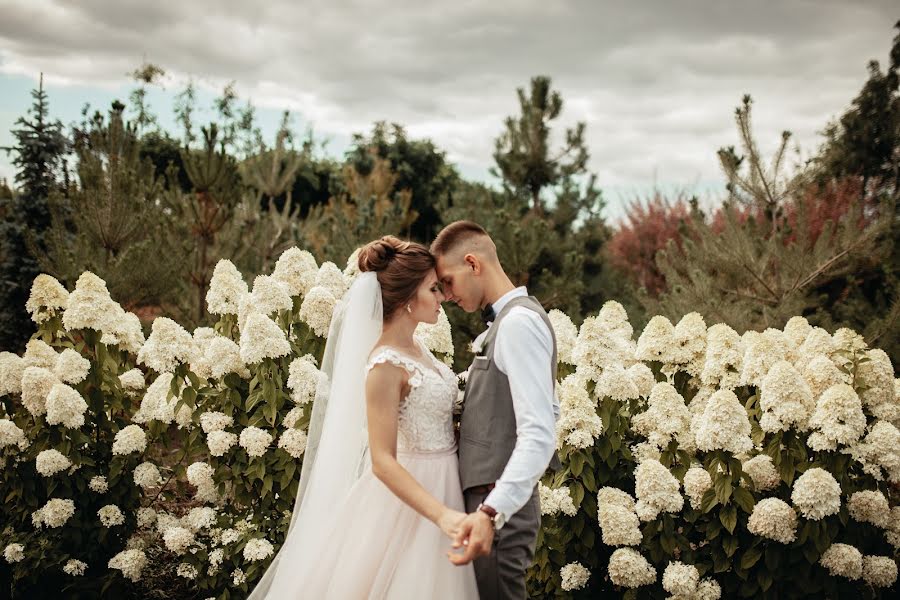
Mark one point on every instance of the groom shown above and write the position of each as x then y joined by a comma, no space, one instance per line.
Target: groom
507,431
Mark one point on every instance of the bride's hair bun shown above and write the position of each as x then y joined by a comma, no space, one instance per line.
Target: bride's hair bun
378,254
401,266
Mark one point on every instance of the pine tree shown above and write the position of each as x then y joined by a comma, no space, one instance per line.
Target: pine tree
523,155
111,220
38,153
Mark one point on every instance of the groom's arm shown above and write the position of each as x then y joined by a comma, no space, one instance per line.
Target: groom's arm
523,352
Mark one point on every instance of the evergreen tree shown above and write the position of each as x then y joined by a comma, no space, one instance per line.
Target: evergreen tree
38,155
523,155
111,221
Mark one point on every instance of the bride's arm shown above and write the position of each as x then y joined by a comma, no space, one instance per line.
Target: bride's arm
384,388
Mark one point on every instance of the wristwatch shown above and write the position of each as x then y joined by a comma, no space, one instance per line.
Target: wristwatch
497,518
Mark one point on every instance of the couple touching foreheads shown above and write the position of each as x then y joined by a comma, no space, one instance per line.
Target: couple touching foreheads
389,504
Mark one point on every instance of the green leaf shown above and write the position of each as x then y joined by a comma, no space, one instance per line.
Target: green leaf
744,499
728,517
750,557
722,487
730,545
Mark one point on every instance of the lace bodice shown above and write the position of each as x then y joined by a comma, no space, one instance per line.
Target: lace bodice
425,421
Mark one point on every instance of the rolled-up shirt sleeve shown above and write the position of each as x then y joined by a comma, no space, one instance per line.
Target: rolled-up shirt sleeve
523,351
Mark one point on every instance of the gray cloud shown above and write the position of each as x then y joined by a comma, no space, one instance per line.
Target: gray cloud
656,82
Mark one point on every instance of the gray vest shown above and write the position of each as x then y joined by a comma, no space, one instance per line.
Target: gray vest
488,423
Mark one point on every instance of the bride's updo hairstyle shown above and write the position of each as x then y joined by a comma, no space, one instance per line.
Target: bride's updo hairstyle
400,266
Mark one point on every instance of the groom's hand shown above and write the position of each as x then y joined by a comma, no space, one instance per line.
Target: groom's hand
476,535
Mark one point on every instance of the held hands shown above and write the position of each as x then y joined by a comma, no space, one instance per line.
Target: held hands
476,535
449,522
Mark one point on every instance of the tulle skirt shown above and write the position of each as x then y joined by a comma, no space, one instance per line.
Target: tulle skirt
383,549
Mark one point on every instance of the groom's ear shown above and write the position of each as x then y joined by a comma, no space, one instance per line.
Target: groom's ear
473,263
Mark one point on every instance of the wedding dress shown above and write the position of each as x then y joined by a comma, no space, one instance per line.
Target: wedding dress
367,543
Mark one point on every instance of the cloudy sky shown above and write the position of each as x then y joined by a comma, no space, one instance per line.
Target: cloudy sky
655,81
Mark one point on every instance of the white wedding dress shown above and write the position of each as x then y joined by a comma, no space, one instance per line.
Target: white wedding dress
380,548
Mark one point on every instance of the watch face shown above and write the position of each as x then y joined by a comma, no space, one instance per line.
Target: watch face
499,521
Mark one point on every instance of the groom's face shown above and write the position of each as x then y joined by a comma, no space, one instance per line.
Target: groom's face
460,282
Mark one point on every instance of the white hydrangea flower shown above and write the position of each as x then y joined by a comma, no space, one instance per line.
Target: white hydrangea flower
14,553
574,576
761,352
230,536
200,517
708,589
12,368
680,579
146,476
130,562
816,494
219,442
225,289
437,337
168,346
642,377
876,376
165,521
605,340
332,278
724,425
880,449
156,404
74,567
255,440
199,473
293,441
317,309
879,571
657,341
795,332
657,490
130,439
820,374
843,560
762,471
556,500
292,267
696,481
51,462
258,549
627,568
293,416
99,484
785,399
178,539
615,383
869,506
46,299
215,421
566,335
262,338
238,577
200,365
71,367
55,513
124,329
690,340
133,380
645,451
616,497
774,519
351,270
186,570
271,295
40,354
12,435
36,385
146,517
666,419
110,515
65,406
224,356
303,379
838,419
88,307
578,425
724,357
619,525
818,341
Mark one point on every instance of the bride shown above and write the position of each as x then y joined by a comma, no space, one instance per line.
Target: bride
379,496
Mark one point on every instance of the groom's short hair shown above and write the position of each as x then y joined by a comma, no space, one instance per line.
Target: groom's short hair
457,234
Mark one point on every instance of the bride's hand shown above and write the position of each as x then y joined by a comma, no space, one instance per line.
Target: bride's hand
449,521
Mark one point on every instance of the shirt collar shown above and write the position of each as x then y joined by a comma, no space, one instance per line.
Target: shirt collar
505,298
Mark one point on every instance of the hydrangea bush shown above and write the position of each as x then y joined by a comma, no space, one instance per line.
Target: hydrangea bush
697,462
701,463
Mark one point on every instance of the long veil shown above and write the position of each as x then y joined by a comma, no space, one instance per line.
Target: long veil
337,438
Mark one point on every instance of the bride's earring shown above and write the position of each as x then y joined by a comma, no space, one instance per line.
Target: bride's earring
408,309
